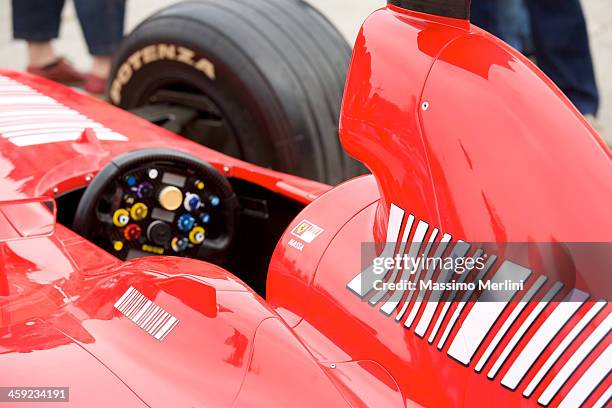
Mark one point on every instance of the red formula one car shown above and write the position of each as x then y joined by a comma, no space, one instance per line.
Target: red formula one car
178,276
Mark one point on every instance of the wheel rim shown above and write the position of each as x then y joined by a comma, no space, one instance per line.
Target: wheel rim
190,113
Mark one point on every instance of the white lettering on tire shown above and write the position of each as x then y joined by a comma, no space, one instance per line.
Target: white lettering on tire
153,53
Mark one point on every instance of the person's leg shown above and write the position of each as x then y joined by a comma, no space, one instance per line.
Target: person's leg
483,13
37,22
562,50
502,18
102,22
41,54
512,18
525,33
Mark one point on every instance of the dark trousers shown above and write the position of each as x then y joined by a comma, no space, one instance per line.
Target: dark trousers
101,21
560,42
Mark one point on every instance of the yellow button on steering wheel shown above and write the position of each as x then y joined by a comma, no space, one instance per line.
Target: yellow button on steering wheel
139,211
197,235
121,217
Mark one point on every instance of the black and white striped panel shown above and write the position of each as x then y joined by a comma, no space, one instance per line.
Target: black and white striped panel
442,245
543,336
604,399
601,368
476,330
145,314
509,321
363,283
451,298
518,335
587,383
378,296
415,246
571,336
466,297
388,307
459,251
484,313
28,118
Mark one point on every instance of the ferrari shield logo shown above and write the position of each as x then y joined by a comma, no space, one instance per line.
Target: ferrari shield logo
306,231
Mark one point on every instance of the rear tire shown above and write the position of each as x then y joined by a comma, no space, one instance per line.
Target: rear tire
271,73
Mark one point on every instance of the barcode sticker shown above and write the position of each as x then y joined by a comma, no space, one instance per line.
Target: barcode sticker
146,314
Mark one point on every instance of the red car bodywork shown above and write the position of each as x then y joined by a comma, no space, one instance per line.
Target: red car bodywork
459,131
464,133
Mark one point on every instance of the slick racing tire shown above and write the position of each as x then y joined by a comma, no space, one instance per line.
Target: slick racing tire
261,80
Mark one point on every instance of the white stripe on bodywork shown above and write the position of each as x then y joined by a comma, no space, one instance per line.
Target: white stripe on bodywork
459,250
574,361
484,313
47,110
388,309
603,400
446,238
589,380
64,137
543,336
49,121
378,296
363,283
576,330
415,246
451,298
38,118
33,99
13,130
508,322
524,327
464,300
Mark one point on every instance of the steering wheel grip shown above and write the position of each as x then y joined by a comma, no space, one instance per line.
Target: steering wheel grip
212,250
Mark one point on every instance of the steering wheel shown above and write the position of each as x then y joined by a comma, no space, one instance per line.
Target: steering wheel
159,202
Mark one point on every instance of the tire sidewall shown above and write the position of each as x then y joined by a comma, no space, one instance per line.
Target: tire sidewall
141,67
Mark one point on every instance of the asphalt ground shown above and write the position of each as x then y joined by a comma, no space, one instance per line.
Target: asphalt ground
347,15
